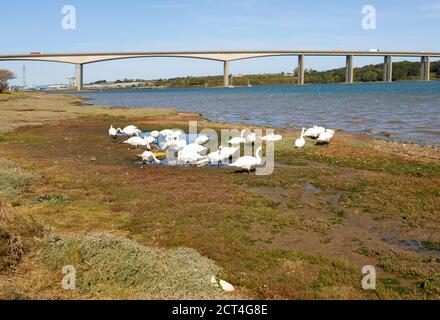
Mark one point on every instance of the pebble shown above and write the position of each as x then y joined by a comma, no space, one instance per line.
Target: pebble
226,286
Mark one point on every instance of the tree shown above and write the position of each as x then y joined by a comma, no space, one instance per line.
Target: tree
5,76
369,76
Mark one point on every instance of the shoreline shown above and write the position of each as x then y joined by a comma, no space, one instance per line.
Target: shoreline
243,86
302,233
380,135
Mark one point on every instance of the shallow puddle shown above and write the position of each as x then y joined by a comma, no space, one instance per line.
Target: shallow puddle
311,187
423,247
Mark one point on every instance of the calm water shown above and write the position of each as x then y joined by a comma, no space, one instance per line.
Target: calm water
407,111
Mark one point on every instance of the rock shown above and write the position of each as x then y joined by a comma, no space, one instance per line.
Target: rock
93,159
226,286
43,198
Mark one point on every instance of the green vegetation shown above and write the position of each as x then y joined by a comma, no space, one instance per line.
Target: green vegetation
105,263
402,71
13,178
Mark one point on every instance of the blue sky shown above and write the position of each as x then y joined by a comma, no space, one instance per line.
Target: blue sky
135,25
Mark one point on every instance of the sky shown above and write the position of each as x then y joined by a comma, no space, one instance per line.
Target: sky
178,25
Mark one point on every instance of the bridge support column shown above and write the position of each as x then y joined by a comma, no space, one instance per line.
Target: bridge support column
425,69
301,69
388,69
349,70
226,74
79,77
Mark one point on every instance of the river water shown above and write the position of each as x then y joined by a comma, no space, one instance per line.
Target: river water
406,111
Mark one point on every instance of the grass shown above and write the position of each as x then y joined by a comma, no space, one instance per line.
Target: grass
31,109
13,178
357,155
104,262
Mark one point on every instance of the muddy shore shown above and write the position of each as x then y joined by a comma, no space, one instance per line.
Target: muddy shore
304,232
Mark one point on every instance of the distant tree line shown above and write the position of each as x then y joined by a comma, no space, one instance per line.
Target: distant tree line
402,71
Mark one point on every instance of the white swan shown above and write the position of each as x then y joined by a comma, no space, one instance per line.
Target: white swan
112,132
251,138
301,142
238,140
314,132
194,147
130,131
137,142
155,134
249,162
189,158
272,138
176,145
230,151
222,154
149,141
326,136
149,156
201,140
216,157
178,134
165,133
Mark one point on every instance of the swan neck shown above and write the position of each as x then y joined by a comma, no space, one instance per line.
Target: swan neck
259,151
155,159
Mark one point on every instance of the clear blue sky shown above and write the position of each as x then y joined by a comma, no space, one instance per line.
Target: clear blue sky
134,25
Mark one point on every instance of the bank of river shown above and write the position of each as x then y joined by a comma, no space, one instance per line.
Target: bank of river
405,111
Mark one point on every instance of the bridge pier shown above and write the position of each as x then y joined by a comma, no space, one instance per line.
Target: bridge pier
301,69
226,74
388,69
425,69
349,70
79,77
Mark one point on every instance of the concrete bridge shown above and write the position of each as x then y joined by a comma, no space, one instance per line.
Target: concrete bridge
80,59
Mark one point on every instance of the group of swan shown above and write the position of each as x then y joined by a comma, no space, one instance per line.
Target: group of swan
252,138
194,153
129,131
320,134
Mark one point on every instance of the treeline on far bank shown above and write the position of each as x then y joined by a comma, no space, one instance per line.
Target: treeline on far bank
404,70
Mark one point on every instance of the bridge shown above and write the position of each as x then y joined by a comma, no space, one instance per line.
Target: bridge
81,59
